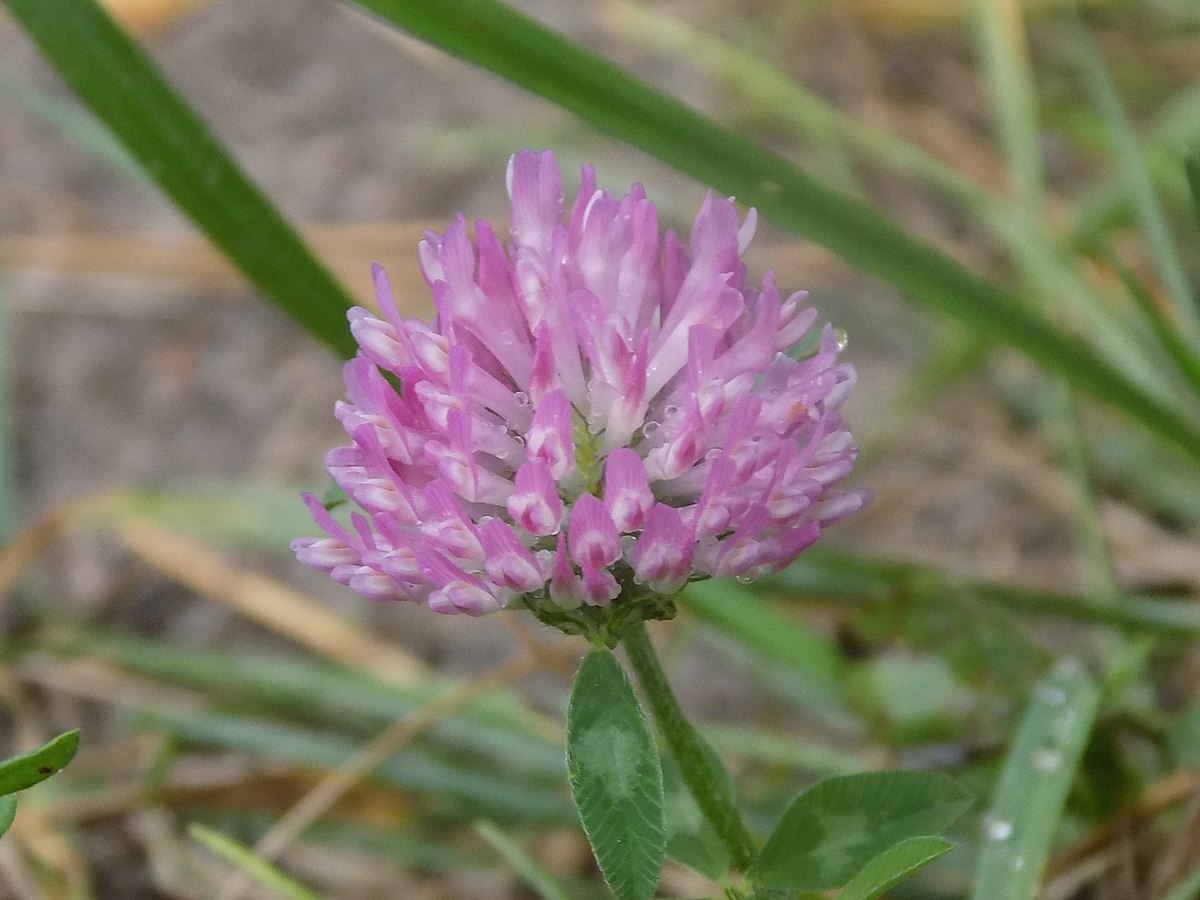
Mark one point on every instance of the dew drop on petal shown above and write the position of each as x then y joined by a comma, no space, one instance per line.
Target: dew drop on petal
649,428
670,409
522,398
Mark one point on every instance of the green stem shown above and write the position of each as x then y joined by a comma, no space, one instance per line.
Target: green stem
699,765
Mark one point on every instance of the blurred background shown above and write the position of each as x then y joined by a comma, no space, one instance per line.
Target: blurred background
159,420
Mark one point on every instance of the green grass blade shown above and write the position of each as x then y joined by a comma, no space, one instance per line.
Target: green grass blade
121,85
496,37
1150,214
495,727
1020,825
1174,126
1001,43
77,124
1148,473
466,790
757,746
254,866
1186,359
1000,34
830,575
535,878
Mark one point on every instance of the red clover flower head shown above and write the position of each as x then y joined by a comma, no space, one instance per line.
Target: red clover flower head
596,411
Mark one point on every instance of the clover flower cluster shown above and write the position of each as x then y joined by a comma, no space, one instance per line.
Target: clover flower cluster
595,409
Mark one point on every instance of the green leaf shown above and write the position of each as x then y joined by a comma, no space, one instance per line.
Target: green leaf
254,866
8,812
892,866
28,769
492,35
836,827
616,778
121,85
1023,819
691,838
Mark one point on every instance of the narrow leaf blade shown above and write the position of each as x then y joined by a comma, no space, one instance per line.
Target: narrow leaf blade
28,769
838,826
254,866
894,865
615,777
1150,213
1023,819
122,86
537,879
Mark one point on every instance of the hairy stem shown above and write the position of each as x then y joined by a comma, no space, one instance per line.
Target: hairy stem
699,765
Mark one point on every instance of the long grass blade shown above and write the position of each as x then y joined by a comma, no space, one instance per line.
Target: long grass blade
122,86
537,879
496,727
498,38
75,123
245,860
466,790
1000,36
1174,126
1150,214
826,575
1020,825
1186,359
